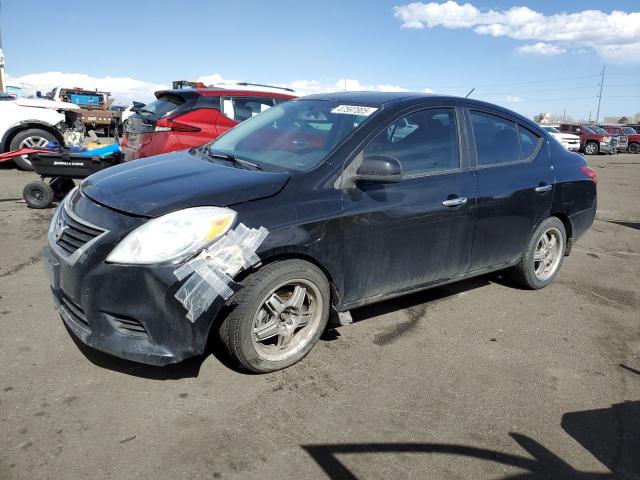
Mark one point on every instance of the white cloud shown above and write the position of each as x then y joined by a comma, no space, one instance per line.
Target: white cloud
614,35
541,48
123,89
513,99
309,87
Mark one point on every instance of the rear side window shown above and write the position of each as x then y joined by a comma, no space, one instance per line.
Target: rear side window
496,139
243,108
528,142
162,106
423,142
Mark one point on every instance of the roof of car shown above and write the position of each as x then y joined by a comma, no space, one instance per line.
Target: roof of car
371,98
217,92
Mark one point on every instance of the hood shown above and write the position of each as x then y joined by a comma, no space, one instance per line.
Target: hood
569,136
157,185
45,103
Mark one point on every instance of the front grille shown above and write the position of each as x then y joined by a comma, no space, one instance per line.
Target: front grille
73,310
72,234
127,325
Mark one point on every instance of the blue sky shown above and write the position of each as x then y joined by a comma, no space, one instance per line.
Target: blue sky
144,45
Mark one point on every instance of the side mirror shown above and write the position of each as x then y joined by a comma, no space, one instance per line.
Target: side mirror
379,169
137,106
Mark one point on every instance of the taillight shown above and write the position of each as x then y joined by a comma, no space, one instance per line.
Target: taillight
590,172
170,123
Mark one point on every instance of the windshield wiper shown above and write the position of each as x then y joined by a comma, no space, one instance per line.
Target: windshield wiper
232,158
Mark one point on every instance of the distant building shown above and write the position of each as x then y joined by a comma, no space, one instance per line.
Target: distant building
543,118
611,120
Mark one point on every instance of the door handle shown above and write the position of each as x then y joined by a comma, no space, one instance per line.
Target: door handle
543,188
454,202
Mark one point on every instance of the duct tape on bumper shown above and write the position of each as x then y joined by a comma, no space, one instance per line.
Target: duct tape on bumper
210,274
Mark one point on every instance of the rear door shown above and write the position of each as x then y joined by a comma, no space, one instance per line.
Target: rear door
515,183
419,230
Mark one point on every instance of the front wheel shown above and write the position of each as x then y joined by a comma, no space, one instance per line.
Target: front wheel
634,148
543,256
591,148
278,315
38,194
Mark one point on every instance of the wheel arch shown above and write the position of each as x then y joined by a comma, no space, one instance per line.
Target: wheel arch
9,135
566,221
332,278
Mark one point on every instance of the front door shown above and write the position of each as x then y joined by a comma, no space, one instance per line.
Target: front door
416,231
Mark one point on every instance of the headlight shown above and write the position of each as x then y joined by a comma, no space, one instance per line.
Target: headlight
173,236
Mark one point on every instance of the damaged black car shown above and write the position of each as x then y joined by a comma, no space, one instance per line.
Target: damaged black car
318,205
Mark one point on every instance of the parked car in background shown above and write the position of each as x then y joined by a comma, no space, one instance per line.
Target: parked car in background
631,138
593,140
616,132
185,118
326,202
567,140
35,122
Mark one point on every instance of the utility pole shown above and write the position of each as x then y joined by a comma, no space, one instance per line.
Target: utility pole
600,94
2,82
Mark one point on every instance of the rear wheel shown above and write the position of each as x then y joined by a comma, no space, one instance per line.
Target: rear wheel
543,256
278,315
31,138
591,148
634,148
38,194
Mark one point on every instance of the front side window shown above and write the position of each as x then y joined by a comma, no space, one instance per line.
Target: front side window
423,142
496,139
292,136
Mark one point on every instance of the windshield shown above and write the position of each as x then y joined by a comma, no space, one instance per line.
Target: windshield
629,131
599,130
588,130
295,135
551,129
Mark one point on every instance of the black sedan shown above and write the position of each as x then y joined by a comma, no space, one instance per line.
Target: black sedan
326,202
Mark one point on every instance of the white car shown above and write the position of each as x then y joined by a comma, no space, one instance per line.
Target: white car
34,122
567,140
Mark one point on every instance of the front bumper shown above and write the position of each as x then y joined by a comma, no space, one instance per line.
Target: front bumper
608,148
125,310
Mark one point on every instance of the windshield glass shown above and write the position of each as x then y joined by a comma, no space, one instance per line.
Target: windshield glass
587,130
551,129
599,130
294,135
629,131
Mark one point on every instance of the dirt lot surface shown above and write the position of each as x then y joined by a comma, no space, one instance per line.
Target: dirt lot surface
473,380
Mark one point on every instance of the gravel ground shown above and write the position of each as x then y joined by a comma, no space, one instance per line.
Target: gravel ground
473,380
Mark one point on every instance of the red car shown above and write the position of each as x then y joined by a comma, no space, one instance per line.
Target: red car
185,118
593,139
633,144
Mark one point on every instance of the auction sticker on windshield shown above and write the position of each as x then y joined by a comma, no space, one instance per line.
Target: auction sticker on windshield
354,110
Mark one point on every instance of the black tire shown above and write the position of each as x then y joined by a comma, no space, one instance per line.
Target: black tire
592,148
21,137
61,186
236,330
524,272
634,148
38,194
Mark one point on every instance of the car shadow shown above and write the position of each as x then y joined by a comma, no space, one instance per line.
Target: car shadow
634,225
611,435
191,367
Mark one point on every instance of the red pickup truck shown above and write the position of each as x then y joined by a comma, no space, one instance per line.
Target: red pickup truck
633,145
593,139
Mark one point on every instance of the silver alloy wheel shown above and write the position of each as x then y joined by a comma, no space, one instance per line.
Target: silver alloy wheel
288,318
35,141
548,253
590,148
